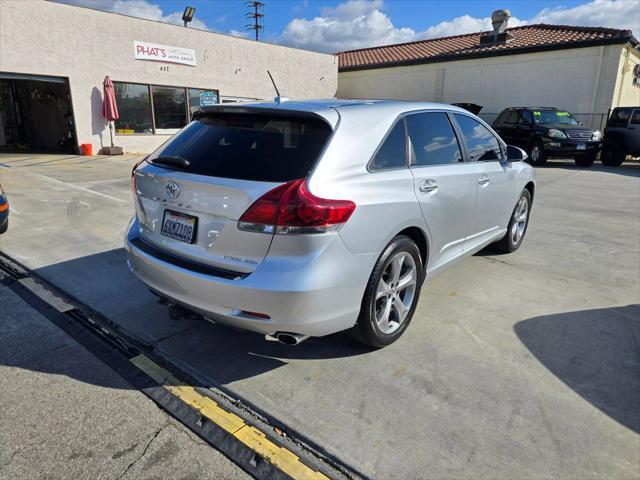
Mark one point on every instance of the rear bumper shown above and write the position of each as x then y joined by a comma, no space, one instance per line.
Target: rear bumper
558,147
313,295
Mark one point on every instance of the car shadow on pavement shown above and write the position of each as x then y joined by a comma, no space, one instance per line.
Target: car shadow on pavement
217,354
224,355
596,353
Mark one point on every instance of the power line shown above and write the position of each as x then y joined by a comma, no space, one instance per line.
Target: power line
257,16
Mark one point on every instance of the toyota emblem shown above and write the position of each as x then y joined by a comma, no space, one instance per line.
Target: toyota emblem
173,190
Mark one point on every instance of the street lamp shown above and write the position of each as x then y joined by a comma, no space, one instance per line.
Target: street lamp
187,16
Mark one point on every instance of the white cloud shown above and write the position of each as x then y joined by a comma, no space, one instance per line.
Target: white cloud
140,9
362,23
623,14
239,33
352,24
353,8
464,24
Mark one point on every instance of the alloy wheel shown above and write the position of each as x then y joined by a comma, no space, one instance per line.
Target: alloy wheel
535,154
396,292
520,216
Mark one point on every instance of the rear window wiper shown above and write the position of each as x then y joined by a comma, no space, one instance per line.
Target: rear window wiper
172,161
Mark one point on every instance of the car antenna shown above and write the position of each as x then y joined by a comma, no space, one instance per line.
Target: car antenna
278,98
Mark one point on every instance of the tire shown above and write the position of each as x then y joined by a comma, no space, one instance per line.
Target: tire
4,227
509,243
537,155
585,160
612,156
371,328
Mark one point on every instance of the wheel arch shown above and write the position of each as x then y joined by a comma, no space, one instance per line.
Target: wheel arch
420,237
532,188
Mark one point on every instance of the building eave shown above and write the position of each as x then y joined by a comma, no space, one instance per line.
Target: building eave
631,40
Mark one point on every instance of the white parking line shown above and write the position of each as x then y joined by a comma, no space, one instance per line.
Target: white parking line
71,185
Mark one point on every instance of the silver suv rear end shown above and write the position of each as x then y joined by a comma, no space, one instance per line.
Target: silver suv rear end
226,226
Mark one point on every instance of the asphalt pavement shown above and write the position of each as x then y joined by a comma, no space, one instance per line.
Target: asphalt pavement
64,414
515,366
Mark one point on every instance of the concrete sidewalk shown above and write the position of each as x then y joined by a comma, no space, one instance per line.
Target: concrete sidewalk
515,366
64,414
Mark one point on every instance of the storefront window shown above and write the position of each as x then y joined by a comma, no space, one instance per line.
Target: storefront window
134,107
170,112
194,98
170,108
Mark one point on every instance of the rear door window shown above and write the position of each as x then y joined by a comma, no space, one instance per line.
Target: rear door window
393,151
501,118
619,117
433,141
256,147
511,117
526,117
482,145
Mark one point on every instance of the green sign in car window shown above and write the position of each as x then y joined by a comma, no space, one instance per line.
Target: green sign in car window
554,117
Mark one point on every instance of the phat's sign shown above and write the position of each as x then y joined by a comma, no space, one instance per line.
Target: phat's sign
164,53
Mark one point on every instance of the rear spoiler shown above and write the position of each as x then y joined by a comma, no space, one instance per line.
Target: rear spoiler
255,110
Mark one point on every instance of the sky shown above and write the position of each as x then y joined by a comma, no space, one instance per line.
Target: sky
334,25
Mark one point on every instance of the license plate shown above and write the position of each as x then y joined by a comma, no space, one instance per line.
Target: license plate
581,146
179,226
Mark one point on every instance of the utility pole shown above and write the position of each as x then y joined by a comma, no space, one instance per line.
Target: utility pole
257,16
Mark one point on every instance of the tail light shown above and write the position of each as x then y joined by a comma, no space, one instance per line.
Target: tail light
291,209
140,212
133,175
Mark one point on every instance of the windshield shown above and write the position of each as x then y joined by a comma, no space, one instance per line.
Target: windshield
553,117
256,146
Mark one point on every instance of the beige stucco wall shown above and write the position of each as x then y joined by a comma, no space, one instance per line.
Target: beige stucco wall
84,45
579,80
626,94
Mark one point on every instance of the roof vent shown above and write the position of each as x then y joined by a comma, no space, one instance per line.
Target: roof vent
499,20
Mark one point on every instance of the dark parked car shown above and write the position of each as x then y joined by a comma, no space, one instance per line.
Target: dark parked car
621,136
4,211
547,132
470,107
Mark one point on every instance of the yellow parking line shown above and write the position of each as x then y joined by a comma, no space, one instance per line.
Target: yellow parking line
280,457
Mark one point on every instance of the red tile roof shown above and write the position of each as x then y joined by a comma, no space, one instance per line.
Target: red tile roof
527,38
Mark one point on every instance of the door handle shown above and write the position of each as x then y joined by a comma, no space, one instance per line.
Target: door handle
484,180
428,186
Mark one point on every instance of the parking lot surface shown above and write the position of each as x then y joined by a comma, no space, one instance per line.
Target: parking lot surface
64,414
515,366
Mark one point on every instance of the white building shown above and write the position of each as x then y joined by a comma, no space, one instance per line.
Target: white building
54,58
584,70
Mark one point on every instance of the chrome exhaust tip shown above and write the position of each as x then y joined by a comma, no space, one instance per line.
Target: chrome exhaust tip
290,338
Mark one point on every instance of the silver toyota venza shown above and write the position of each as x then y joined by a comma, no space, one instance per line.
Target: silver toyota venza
297,219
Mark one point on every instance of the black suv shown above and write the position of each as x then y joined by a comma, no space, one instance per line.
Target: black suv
621,136
547,132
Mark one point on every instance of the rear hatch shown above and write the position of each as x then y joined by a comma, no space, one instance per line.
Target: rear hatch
191,192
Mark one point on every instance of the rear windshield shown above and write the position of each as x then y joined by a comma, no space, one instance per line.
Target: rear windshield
248,146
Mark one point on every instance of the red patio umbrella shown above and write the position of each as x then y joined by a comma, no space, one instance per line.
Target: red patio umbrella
109,107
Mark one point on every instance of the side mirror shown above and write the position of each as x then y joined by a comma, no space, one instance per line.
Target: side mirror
516,154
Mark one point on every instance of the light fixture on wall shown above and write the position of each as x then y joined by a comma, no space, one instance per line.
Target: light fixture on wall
188,14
